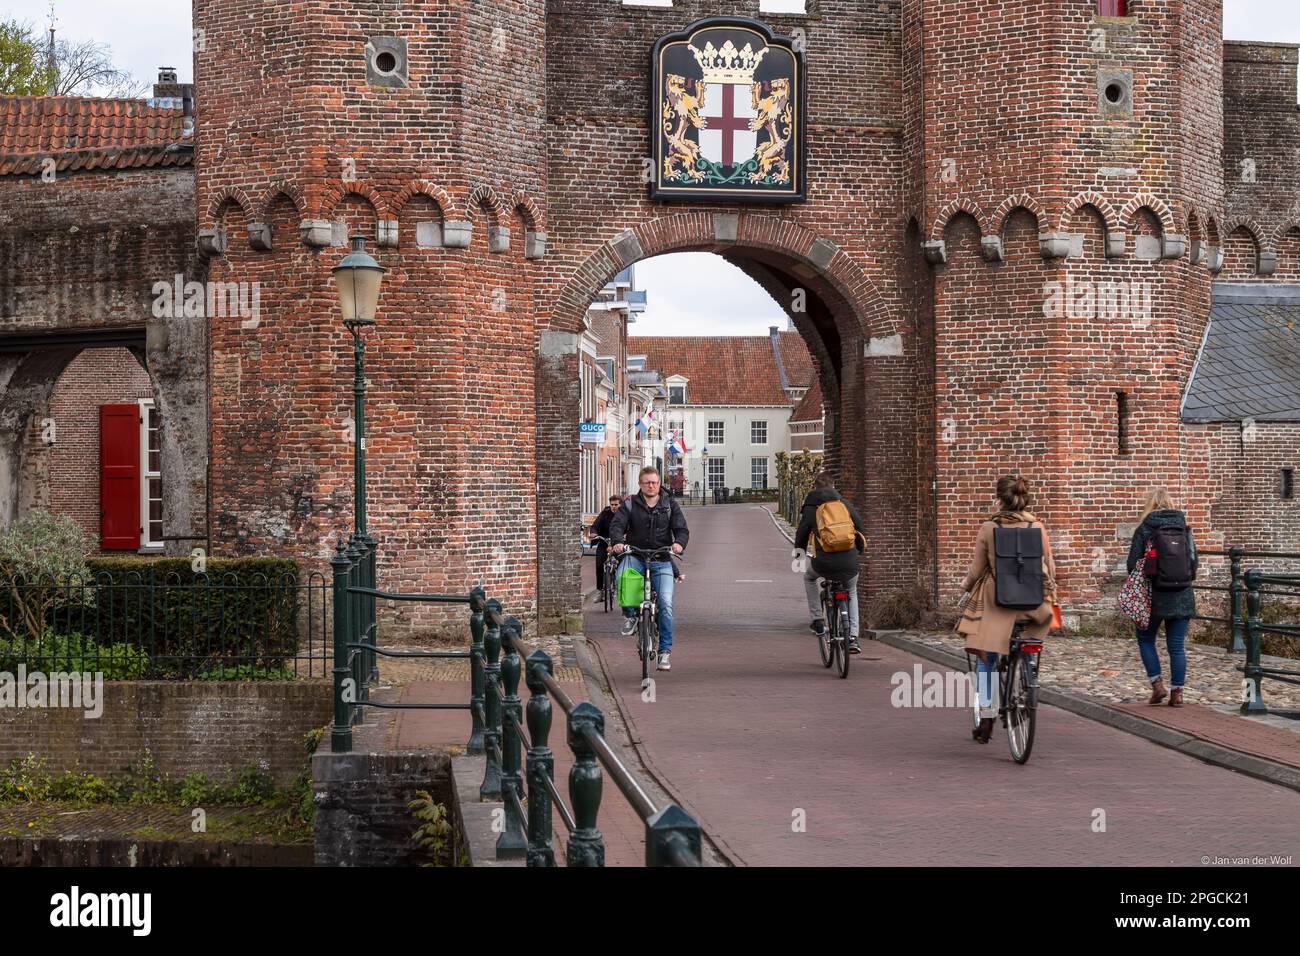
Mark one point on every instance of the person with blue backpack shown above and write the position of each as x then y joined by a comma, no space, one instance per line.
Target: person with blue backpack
1163,541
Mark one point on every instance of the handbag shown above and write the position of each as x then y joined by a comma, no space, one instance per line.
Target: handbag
631,587
1135,597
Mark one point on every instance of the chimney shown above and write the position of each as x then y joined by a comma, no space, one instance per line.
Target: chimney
168,93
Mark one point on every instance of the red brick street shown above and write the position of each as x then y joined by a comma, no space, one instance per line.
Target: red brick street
748,729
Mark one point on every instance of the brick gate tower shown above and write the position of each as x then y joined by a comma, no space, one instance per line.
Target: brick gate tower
1065,169
418,126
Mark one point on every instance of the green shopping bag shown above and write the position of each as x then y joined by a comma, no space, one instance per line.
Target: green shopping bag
631,587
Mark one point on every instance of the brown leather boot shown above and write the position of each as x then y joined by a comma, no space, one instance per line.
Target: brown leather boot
1158,692
1176,697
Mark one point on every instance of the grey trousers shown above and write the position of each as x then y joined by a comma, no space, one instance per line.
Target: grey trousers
813,592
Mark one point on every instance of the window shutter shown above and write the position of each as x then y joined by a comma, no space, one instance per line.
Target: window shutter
119,477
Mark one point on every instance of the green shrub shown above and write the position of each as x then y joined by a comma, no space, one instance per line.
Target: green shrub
82,788
252,785
74,653
42,560
25,779
144,783
435,831
245,672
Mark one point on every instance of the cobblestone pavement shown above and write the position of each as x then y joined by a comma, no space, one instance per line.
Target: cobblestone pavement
783,763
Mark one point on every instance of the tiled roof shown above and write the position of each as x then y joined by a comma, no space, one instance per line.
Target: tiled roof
724,370
809,408
57,124
1249,366
134,157
798,363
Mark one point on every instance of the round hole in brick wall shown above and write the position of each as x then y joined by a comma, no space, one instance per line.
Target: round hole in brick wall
385,62
1114,93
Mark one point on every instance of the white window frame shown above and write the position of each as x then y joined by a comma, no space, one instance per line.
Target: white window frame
722,431
717,475
147,542
752,463
755,423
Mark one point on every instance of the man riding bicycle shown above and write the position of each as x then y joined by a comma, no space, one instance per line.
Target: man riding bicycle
651,521
832,565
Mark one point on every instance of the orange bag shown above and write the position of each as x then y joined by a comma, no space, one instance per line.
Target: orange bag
1056,618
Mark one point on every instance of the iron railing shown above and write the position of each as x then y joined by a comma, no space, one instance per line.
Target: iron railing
1253,670
142,625
526,787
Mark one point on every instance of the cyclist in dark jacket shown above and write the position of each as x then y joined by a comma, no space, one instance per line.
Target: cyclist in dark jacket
600,528
836,566
1174,607
652,520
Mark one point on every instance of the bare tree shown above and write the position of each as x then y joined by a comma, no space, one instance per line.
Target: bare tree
86,69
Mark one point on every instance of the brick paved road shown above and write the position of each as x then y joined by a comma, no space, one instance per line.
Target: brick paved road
748,728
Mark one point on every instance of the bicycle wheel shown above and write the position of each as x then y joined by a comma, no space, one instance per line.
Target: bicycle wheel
824,638
972,688
1021,711
842,636
643,636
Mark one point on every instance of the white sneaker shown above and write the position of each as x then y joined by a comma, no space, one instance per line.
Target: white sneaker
664,664
629,626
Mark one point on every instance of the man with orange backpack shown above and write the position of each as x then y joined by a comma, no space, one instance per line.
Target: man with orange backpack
838,538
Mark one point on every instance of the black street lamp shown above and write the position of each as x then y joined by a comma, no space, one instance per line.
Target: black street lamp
704,463
358,278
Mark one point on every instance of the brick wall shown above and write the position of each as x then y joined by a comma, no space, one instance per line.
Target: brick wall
217,728
95,377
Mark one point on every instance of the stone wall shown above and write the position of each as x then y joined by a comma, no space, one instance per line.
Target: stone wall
216,728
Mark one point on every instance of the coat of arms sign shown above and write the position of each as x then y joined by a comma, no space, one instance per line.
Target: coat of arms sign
727,113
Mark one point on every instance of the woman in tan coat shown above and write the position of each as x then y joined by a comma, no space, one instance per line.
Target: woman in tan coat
986,626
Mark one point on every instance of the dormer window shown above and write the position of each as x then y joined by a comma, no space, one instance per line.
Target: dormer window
676,394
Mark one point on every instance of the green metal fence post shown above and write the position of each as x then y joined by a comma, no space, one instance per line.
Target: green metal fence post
476,604
586,845
541,762
512,843
369,547
672,829
357,656
491,788
1252,691
1236,644
341,734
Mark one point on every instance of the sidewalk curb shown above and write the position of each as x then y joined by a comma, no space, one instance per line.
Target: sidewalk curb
589,662
1204,750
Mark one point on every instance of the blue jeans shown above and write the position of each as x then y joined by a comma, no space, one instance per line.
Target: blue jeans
1175,636
986,681
663,575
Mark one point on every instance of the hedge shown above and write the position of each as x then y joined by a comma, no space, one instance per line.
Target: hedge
241,608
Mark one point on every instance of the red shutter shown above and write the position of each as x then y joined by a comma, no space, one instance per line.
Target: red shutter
119,477
1112,8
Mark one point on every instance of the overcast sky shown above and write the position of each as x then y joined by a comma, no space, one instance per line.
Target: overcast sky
690,293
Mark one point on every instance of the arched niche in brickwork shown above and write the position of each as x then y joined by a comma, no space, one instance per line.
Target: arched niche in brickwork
1288,254
282,216
961,237
1089,222
354,214
28,382
1240,253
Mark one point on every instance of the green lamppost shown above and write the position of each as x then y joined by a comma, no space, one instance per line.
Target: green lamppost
704,463
358,278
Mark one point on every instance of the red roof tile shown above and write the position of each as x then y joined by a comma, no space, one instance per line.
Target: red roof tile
57,124
809,408
795,359
137,157
722,369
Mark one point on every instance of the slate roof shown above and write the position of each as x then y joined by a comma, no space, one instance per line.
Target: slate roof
1249,363
727,369
58,124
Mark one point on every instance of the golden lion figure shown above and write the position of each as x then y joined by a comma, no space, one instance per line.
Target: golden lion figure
773,111
685,109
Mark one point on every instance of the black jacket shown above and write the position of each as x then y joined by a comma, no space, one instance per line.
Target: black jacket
1180,603
641,526
601,525
842,563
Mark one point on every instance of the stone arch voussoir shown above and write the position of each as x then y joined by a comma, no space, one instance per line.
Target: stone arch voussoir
946,214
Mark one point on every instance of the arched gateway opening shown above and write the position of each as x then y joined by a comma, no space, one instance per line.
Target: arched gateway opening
861,365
